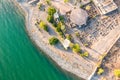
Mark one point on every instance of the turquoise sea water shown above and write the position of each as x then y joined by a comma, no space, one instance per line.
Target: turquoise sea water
19,58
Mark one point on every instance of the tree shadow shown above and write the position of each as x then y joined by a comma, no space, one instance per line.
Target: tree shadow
60,47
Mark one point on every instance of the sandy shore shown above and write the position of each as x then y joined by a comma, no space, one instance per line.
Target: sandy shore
73,63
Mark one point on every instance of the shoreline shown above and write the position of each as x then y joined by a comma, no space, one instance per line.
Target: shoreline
39,48
53,54
25,13
40,45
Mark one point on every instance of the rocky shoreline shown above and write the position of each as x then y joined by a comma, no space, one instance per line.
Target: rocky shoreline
67,61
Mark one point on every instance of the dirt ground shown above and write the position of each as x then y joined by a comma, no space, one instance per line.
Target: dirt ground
111,62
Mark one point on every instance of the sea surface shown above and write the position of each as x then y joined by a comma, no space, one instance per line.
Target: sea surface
19,58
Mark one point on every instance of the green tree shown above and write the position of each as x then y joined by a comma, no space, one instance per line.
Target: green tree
77,34
43,26
53,41
63,28
40,6
50,18
54,24
69,37
51,11
81,6
59,24
58,29
61,34
62,19
76,48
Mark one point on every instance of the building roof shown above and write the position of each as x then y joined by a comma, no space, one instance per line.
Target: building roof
56,15
78,16
62,7
66,43
105,6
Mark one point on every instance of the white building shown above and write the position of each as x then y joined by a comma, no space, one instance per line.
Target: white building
66,43
56,16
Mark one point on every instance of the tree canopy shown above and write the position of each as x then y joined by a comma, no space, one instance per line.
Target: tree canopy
76,48
50,18
43,26
53,41
100,71
51,10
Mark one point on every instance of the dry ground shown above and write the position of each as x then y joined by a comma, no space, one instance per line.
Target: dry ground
112,61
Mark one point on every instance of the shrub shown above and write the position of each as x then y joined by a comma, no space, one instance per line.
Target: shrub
65,1
91,0
85,54
71,45
88,8
63,28
58,29
59,24
77,34
48,2
39,6
76,48
61,34
100,71
53,41
86,45
69,37
117,72
81,6
43,26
